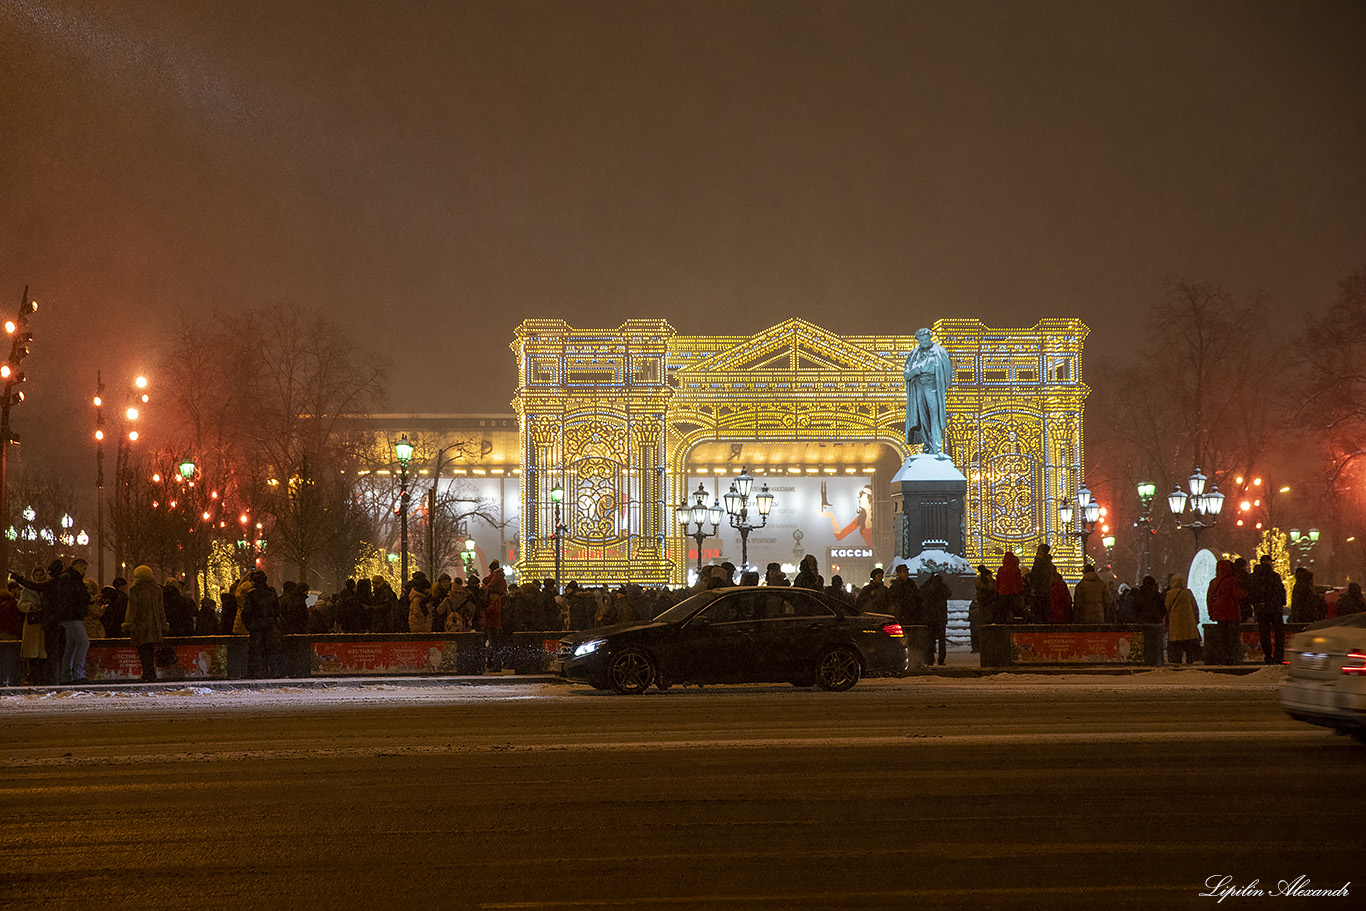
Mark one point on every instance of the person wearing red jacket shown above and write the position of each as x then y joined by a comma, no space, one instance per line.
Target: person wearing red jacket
1009,586
1059,600
1224,598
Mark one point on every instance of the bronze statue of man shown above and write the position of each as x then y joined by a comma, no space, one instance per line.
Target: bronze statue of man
928,373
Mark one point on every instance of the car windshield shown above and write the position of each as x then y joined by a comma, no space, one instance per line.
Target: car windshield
686,608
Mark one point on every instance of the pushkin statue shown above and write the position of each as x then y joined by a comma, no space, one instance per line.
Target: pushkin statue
928,372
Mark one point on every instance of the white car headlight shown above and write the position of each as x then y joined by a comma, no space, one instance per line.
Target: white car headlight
588,648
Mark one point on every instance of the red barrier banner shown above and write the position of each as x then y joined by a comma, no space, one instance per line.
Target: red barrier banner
423,656
1078,648
193,662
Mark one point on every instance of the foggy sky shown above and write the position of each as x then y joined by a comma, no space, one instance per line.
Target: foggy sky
433,173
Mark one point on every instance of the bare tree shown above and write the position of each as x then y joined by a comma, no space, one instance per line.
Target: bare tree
1203,389
275,394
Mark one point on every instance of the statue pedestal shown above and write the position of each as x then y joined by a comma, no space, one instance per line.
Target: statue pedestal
929,497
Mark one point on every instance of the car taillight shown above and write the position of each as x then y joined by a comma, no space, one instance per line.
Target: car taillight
1359,668
894,629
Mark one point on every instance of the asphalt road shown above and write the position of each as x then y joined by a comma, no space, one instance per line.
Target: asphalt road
899,794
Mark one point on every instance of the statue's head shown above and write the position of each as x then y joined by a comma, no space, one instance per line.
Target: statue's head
924,337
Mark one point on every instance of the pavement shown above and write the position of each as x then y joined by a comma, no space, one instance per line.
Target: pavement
960,663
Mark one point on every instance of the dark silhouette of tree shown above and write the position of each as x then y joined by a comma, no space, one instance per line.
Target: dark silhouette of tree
1205,387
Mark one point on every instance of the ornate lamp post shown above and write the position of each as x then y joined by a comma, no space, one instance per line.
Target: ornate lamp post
696,514
557,497
468,555
737,507
1200,509
403,451
1303,543
1085,509
1146,491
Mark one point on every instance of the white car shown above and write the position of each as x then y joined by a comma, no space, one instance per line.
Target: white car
1326,684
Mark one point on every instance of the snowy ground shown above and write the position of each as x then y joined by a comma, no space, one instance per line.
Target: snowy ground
196,699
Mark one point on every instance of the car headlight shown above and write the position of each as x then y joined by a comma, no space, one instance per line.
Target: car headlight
589,647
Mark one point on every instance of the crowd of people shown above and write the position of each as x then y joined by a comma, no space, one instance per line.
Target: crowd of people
1040,595
56,611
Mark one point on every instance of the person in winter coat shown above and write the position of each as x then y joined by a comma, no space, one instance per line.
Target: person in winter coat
1091,598
1059,600
1268,606
836,590
145,620
116,605
495,589
807,575
903,598
260,613
934,607
33,646
1009,590
1148,604
206,620
1306,605
1040,584
73,604
351,616
1224,598
436,619
228,622
384,606
419,606
180,610
1183,622
1351,601
294,609
872,598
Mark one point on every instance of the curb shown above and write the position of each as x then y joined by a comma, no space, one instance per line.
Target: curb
280,683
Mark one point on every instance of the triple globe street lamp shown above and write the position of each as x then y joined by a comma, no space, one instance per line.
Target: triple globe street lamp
695,515
1085,510
737,507
1199,509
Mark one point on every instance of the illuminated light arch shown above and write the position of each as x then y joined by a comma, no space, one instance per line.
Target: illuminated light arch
613,417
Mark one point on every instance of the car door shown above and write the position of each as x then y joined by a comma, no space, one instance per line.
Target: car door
718,645
795,628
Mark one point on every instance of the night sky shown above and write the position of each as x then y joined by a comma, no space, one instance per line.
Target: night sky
433,173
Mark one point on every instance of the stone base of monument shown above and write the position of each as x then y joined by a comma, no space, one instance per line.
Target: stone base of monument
928,510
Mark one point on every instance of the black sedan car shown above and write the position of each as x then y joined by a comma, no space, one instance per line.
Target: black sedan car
739,635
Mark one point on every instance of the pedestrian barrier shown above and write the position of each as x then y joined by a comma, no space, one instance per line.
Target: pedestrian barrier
1007,645
338,654
1248,649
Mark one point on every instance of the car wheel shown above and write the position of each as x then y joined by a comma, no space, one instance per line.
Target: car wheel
630,672
838,669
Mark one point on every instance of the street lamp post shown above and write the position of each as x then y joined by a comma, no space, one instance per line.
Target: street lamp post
128,435
557,497
697,513
737,507
1199,509
1085,509
468,555
1303,543
1146,491
403,451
